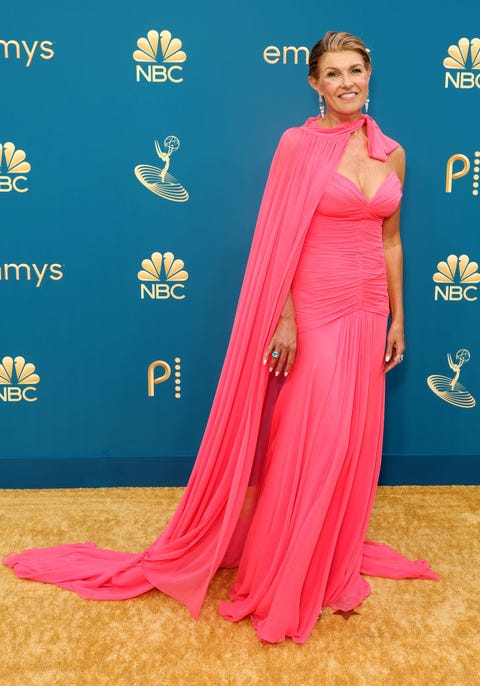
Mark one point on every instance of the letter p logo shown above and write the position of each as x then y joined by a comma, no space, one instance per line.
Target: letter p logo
153,380
461,171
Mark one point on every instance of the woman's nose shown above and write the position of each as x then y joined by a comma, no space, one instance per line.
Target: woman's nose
347,80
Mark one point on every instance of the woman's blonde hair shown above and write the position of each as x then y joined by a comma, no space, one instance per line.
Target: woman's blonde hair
335,41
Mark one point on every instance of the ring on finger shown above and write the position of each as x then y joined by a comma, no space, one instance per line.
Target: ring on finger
275,354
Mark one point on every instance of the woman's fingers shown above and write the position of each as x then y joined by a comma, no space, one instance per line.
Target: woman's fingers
393,356
279,358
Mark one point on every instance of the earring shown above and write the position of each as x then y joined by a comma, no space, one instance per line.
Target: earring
367,102
321,104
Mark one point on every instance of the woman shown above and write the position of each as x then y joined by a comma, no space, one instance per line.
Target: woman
285,478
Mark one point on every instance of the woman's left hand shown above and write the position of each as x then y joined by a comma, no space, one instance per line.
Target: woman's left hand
395,346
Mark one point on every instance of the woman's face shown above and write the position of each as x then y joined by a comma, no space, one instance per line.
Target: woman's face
342,78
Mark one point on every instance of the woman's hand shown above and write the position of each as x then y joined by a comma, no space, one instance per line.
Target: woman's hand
395,346
284,342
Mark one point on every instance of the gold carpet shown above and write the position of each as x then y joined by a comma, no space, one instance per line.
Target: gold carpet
409,632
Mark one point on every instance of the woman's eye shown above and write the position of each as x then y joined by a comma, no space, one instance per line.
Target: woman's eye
331,74
357,70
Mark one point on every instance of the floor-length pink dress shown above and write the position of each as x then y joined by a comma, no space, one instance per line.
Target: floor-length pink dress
294,524
305,545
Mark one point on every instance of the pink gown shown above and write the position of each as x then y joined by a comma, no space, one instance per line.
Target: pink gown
326,434
292,517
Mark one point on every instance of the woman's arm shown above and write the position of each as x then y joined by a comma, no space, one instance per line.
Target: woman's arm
392,246
284,340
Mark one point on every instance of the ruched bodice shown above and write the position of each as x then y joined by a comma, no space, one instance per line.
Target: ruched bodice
342,266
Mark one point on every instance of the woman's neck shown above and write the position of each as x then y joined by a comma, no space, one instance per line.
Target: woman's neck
332,120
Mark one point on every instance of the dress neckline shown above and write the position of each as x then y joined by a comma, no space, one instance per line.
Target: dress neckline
355,185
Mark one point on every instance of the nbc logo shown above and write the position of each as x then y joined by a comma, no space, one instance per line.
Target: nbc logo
160,181
450,389
160,371
462,59
13,167
155,48
17,380
456,171
457,276
160,268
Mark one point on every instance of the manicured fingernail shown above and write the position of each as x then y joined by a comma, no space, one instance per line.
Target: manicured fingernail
286,374
271,369
277,373
265,361
387,358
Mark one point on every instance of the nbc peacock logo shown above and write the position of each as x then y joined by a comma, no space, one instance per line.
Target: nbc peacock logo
160,56
463,64
162,277
18,380
450,389
13,167
456,278
159,180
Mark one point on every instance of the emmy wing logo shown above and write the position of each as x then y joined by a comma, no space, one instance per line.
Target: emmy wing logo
160,268
13,167
160,181
464,59
456,276
17,380
450,389
155,48
458,166
160,371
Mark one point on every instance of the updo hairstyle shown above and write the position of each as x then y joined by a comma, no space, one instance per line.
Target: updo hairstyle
336,41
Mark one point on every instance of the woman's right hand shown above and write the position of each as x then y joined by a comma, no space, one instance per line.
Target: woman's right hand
284,342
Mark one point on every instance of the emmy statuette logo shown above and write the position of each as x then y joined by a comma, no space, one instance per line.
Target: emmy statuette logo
13,167
450,389
458,166
18,380
463,64
21,50
159,180
160,371
163,274
160,56
455,278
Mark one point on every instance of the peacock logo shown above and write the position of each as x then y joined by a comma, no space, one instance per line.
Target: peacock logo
159,269
18,380
457,276
161,56
13,167
464,61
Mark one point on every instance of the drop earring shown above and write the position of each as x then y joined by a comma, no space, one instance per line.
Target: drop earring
367,102
321,104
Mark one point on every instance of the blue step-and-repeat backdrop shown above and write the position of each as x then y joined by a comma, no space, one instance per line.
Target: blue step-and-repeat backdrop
135,140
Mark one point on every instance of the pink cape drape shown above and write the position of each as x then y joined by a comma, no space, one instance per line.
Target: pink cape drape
208,528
